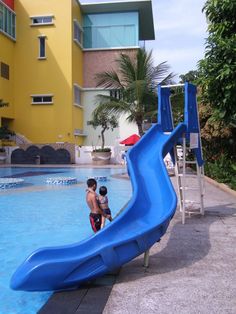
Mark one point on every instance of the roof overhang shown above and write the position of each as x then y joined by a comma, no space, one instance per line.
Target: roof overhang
144,7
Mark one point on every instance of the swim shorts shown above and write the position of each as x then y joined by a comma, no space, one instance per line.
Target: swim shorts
106,211
95,221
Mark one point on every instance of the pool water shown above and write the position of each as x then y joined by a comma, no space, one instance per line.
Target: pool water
36,215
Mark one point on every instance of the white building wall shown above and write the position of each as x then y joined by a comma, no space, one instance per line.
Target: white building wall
124,130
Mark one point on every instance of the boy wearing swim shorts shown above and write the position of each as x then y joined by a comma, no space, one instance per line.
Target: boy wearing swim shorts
96,213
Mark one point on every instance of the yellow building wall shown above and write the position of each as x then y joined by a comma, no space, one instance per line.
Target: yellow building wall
44,123
6,86
77,72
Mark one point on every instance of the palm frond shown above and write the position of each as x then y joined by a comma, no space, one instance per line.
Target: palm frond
160,73
127,68
167,80
108,79
112,107
131,118
137,79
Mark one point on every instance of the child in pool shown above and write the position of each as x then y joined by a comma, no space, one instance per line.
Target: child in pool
103,204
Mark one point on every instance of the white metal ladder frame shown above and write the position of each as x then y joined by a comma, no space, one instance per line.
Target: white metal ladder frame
182,184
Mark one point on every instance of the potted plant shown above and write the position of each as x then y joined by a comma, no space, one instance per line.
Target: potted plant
102,156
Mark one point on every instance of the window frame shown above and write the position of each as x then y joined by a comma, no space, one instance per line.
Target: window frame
41,17
8,21
78,88
5,70
114,24
42,37
79,132
76,24
41,102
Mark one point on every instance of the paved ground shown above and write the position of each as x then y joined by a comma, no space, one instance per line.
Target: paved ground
192,270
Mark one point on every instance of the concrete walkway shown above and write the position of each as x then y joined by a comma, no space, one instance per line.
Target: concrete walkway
192,270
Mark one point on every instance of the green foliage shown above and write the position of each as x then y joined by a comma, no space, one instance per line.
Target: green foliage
5,133
177,95
223,170
136,79
217,81
106,122
102,150
218,68
191,77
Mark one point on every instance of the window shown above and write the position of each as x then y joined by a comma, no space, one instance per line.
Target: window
42,48
7,21
41,99
42,20
116,93
78,132
78,33
111,30
77,95
5,70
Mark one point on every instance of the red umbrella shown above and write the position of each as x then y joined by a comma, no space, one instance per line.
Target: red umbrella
131,140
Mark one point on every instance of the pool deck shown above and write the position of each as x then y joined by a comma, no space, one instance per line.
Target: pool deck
192,270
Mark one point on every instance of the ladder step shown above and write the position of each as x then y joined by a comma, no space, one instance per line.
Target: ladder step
192,202
190,188
188,175
189,161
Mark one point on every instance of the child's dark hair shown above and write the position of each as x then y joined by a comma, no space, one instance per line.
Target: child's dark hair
91,182
102,190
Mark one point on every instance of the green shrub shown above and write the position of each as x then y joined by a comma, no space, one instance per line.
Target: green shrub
101,150
223,170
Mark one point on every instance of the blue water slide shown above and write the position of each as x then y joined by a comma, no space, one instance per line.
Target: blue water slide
191,118
143,222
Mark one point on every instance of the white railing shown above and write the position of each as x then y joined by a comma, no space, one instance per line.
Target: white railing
20,139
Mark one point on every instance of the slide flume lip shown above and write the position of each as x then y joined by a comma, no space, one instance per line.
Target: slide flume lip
143,222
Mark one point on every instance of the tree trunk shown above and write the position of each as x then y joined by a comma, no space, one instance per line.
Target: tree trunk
103,137
140,128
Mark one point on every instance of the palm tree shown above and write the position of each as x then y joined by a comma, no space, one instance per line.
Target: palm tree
136,80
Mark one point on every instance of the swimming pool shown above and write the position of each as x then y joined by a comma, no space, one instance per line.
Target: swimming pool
36,215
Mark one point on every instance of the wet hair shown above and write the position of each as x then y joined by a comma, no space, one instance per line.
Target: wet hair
102,190
91,182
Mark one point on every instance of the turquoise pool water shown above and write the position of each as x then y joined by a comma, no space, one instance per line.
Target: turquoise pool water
36,215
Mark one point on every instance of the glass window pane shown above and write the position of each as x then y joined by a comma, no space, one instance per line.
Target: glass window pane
9,22
41,47
77,95
77,32
47,98
13,29
1,16
47,19
102,37
111,30
37,20
5,19
37,99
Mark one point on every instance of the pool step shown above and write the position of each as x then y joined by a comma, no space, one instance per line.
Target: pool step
90,298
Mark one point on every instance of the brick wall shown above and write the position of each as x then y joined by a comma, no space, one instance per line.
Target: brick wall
100,61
